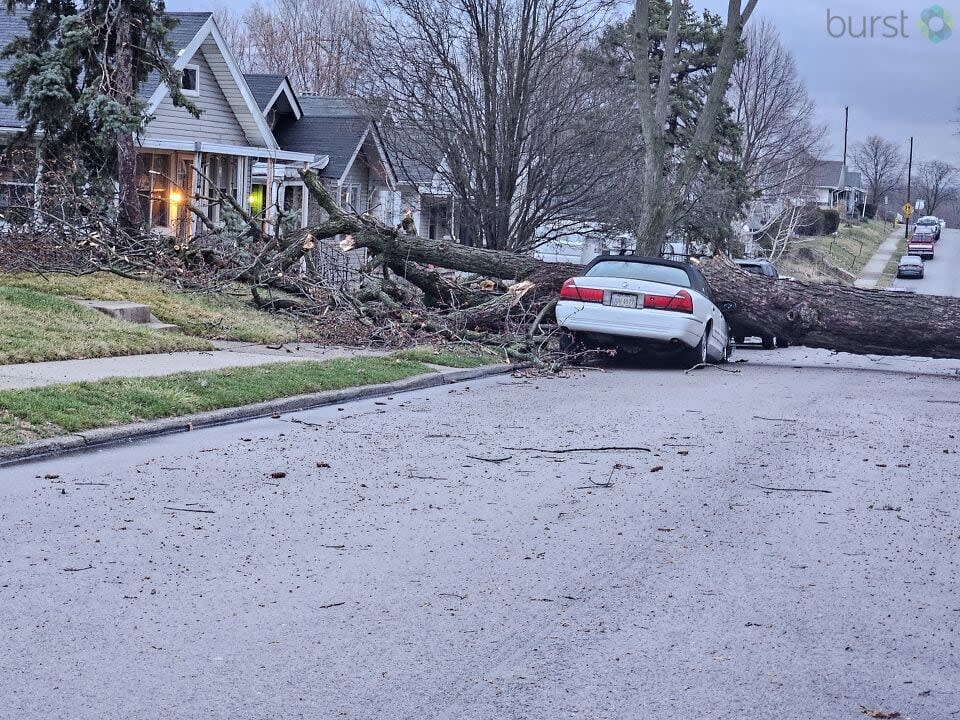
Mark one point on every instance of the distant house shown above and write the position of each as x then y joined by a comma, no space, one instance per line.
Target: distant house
832,185
359,173
424,192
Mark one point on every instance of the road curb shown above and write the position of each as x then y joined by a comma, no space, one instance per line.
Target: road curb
153,428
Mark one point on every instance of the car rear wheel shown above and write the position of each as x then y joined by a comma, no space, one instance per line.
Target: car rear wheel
569,343
698,355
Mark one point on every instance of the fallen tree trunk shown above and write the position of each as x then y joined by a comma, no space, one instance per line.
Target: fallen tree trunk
833,317
839,317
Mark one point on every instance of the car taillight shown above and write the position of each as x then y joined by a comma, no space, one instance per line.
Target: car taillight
570,291
681,302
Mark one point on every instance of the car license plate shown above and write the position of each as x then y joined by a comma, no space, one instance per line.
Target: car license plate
623,300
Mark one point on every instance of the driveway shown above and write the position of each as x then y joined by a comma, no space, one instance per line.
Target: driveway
787,548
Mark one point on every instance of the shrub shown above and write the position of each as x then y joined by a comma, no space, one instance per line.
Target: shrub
831,221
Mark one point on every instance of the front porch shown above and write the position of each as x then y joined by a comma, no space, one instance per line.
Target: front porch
175,176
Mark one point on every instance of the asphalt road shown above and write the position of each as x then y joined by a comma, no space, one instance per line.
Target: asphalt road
942,274
434,571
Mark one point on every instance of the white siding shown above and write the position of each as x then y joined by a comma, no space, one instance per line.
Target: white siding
217,122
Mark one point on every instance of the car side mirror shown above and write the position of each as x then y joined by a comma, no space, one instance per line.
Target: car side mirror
728,307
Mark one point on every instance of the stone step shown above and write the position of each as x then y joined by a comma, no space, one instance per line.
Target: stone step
162,326
129,312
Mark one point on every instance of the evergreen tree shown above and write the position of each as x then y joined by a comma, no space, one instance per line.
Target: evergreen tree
721,190
74,80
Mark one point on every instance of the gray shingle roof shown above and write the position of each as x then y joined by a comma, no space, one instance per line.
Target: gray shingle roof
826,174
410,153
13,25
330,126
263,87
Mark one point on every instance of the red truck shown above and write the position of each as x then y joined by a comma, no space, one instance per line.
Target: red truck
922,242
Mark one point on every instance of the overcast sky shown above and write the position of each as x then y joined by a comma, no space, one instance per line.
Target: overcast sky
895,86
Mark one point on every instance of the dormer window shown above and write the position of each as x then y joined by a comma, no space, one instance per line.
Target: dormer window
190,81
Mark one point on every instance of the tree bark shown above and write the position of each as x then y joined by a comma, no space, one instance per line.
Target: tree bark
128,200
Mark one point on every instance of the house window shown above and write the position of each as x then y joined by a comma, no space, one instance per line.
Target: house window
293,204
258,198
153,182
190,81
221,174
352,198
17,174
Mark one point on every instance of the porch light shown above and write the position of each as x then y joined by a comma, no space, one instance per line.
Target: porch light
176,197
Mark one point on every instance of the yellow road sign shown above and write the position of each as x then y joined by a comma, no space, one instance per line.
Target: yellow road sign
907,210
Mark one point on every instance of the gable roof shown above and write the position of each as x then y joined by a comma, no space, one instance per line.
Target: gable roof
826,174
410,153
227,74
332,126
263,87
190,30
268,89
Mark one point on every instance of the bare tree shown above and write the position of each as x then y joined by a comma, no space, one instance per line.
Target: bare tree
310,41
234,31
667,176
882,165
936,184
494,96
780,138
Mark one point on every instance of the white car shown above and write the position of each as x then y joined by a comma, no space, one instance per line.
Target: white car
637,304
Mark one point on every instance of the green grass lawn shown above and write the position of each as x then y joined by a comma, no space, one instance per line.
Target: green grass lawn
853,245
35,326
217,316
35,413
450,356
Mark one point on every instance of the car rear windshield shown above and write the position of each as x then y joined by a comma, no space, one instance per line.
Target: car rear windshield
928,221
640,271
752,269
910,260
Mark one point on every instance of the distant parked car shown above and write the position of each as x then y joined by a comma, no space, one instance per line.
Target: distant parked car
929,221
910,266
643,304
758,266
765,268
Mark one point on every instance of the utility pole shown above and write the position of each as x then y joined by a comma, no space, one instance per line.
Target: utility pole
906,220
843,172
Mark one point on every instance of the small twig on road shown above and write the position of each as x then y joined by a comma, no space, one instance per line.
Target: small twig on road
787,489
491,460
787,420
194,510
334,547
607,484
88,567
703,366
93,483
580,449
453,595
298,421
331,605
173,468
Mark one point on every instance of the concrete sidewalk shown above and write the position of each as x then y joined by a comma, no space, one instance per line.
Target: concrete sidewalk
227,354
873,270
